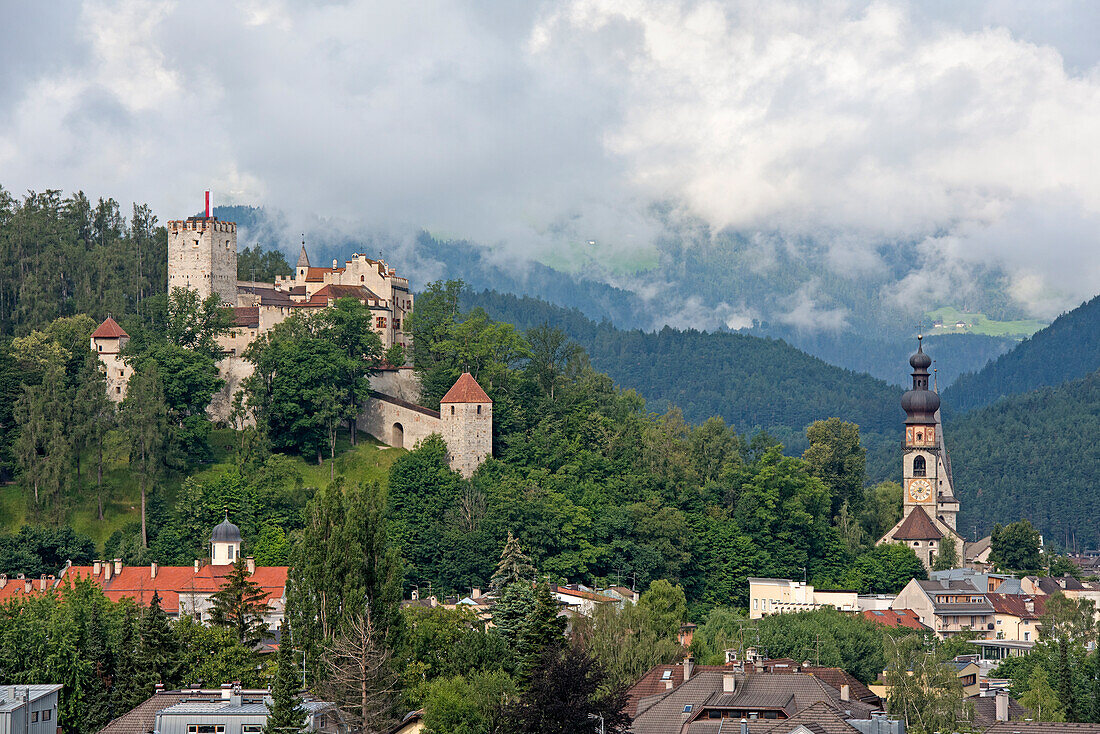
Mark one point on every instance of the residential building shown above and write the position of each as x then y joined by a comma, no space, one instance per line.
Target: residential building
948,607
1041,727
998,706
712,698
1016,616
1071,587
225,710
869,602
30,709
579,599
778,596
968,672
412,723
895,618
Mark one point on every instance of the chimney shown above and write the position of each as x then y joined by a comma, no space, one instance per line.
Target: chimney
845,692
250,563
118,566
196,565
3,580
668,685
729,682
42,582
334,263
106,570
1001,700
153,570
97,566
28,586
475,593
689,665
744,726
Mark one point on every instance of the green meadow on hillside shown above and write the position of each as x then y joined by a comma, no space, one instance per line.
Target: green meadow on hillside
368,461
979,323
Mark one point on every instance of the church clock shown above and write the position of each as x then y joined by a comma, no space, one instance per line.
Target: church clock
920,490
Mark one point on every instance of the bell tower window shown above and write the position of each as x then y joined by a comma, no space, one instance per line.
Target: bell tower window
919,467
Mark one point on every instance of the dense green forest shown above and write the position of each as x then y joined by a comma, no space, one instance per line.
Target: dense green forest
751,382
1068,349
1033,455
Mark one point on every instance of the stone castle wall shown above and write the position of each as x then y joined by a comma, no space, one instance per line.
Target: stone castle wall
468,431
397,422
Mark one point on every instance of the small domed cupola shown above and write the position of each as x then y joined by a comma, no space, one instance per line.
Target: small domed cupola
920,404
225,543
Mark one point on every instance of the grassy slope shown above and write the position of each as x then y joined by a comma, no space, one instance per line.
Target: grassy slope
369,461
982,324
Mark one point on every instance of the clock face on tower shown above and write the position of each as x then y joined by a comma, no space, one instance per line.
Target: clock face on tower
920,490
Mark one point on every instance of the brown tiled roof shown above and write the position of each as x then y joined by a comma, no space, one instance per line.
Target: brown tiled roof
330,291
827,720
269,294
246,316
789,692
140,719
917,526
985,710
895,618
1016,605
836,677
466,390
1041,727
317,275
109,329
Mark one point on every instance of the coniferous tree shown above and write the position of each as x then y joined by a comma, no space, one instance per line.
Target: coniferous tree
93,418
240,606
543,629
43,448
285,713
97,651
126,691
515,566
158,653
143,416
510,612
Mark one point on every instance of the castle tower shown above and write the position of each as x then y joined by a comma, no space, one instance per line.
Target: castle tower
202,256
466,417
225,543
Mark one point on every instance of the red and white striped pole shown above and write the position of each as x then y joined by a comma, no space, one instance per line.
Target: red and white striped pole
209,211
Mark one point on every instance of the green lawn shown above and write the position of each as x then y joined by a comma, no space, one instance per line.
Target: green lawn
368,461
979,323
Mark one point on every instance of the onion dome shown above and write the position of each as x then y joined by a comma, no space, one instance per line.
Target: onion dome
226,532
920,404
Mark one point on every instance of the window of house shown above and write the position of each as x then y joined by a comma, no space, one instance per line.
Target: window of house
252,728
34,716
1027,637
206,729
919,467
714,714
46,715
666,675
452,410
479,410
688,707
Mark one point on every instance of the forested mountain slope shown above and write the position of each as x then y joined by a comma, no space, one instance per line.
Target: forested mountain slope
751,382
1033,455
1068,349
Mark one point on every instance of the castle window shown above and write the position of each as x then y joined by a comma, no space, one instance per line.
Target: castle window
452,410
479,410
919,467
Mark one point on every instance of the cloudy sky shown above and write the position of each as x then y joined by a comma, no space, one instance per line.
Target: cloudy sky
972,128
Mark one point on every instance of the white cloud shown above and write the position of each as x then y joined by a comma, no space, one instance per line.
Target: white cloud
970,129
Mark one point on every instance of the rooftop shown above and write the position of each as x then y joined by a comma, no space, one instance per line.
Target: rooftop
466,390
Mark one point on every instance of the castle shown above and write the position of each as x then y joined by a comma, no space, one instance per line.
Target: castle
202,256
929,506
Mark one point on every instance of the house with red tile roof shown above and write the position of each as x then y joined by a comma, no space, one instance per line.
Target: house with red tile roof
895,618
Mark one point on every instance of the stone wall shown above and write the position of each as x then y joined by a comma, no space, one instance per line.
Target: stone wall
233,369
397,422
468,431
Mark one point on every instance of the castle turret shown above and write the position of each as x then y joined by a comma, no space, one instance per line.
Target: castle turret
466,416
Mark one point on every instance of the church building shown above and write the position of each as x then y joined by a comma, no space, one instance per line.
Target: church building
929,506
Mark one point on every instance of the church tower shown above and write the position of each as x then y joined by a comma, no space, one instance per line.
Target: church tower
202,256
920,456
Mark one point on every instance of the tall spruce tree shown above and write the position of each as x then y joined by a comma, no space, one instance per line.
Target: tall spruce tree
543,629
240,606
158,652
510,612
514,566
93,418
143,413
285,712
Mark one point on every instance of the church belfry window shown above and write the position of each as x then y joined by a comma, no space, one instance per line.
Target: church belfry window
919,468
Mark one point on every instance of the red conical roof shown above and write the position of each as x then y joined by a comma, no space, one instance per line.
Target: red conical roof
918,526
109,329
466,390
